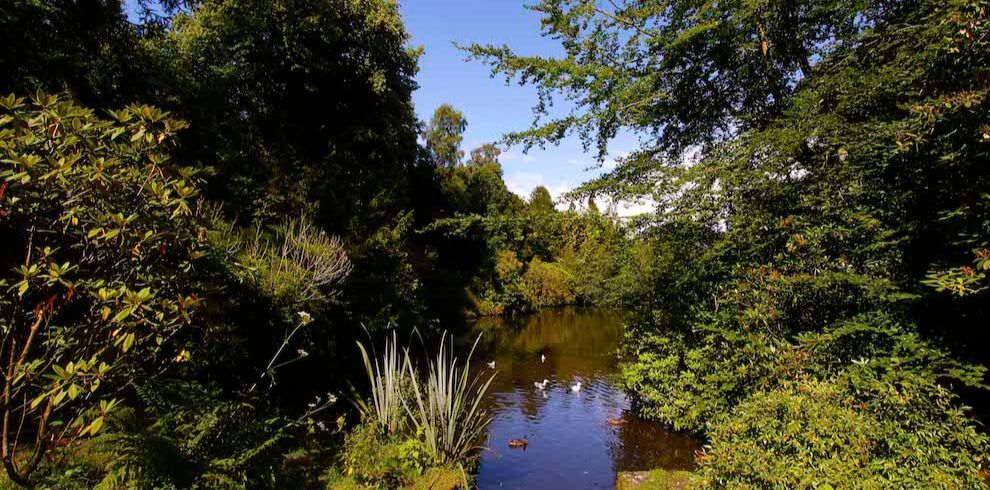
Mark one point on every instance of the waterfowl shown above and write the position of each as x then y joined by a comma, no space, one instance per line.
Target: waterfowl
541,386
518,443
576,387
543,358
617,421
491,365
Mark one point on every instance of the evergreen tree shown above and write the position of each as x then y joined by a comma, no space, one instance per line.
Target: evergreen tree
540,200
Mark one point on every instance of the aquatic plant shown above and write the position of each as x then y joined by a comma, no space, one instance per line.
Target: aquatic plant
445,407
387,377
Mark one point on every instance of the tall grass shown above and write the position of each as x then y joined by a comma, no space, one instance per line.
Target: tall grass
446,408
443,409
387,376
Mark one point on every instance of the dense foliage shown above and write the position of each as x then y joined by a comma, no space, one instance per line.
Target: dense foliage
809,294
174,273
511,255
814,213
100,240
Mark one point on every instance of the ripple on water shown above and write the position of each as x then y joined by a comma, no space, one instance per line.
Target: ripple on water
571,444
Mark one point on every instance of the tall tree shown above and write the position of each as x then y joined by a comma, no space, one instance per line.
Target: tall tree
298,103
444,135
84,47
540,200
685,74
810,160
485,154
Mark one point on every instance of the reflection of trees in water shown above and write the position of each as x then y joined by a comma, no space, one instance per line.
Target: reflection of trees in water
576,341
579,344
641,445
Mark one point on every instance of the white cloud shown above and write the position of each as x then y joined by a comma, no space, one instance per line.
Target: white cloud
523,183
611,163
633,208
625,208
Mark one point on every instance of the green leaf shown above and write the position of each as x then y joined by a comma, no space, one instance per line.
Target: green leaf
122,314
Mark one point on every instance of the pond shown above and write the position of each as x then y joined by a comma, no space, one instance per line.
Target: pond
571,444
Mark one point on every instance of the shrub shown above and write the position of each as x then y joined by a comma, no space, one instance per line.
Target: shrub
189,436
685,379
488,307
813,434
443,410
373,457
101,233
507,266
294,264
800,437
547,284
388,378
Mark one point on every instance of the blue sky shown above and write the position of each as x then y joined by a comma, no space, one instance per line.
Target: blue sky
491,107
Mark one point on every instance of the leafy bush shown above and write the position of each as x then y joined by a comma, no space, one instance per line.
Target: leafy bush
490,307
508,267
809,434
190,436
801,437
373,457
100,228
686,379
867,408
547,284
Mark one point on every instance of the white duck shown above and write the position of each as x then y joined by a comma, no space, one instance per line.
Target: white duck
541,386
576,387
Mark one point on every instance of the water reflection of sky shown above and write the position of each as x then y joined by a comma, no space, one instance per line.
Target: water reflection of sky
571,445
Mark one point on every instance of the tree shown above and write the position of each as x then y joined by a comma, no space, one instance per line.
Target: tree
298,105
443,136
100,240
540,200
84,47
592,206
644,66
809,160
547,284
487,191
305,107
486,154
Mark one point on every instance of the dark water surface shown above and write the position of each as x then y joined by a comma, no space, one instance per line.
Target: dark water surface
571,444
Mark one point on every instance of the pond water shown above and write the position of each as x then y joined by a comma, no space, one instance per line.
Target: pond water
571,444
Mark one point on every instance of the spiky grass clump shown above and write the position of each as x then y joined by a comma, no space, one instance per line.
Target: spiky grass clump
446,406
443,409
388,376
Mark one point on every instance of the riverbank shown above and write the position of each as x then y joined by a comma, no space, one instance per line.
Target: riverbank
653,480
